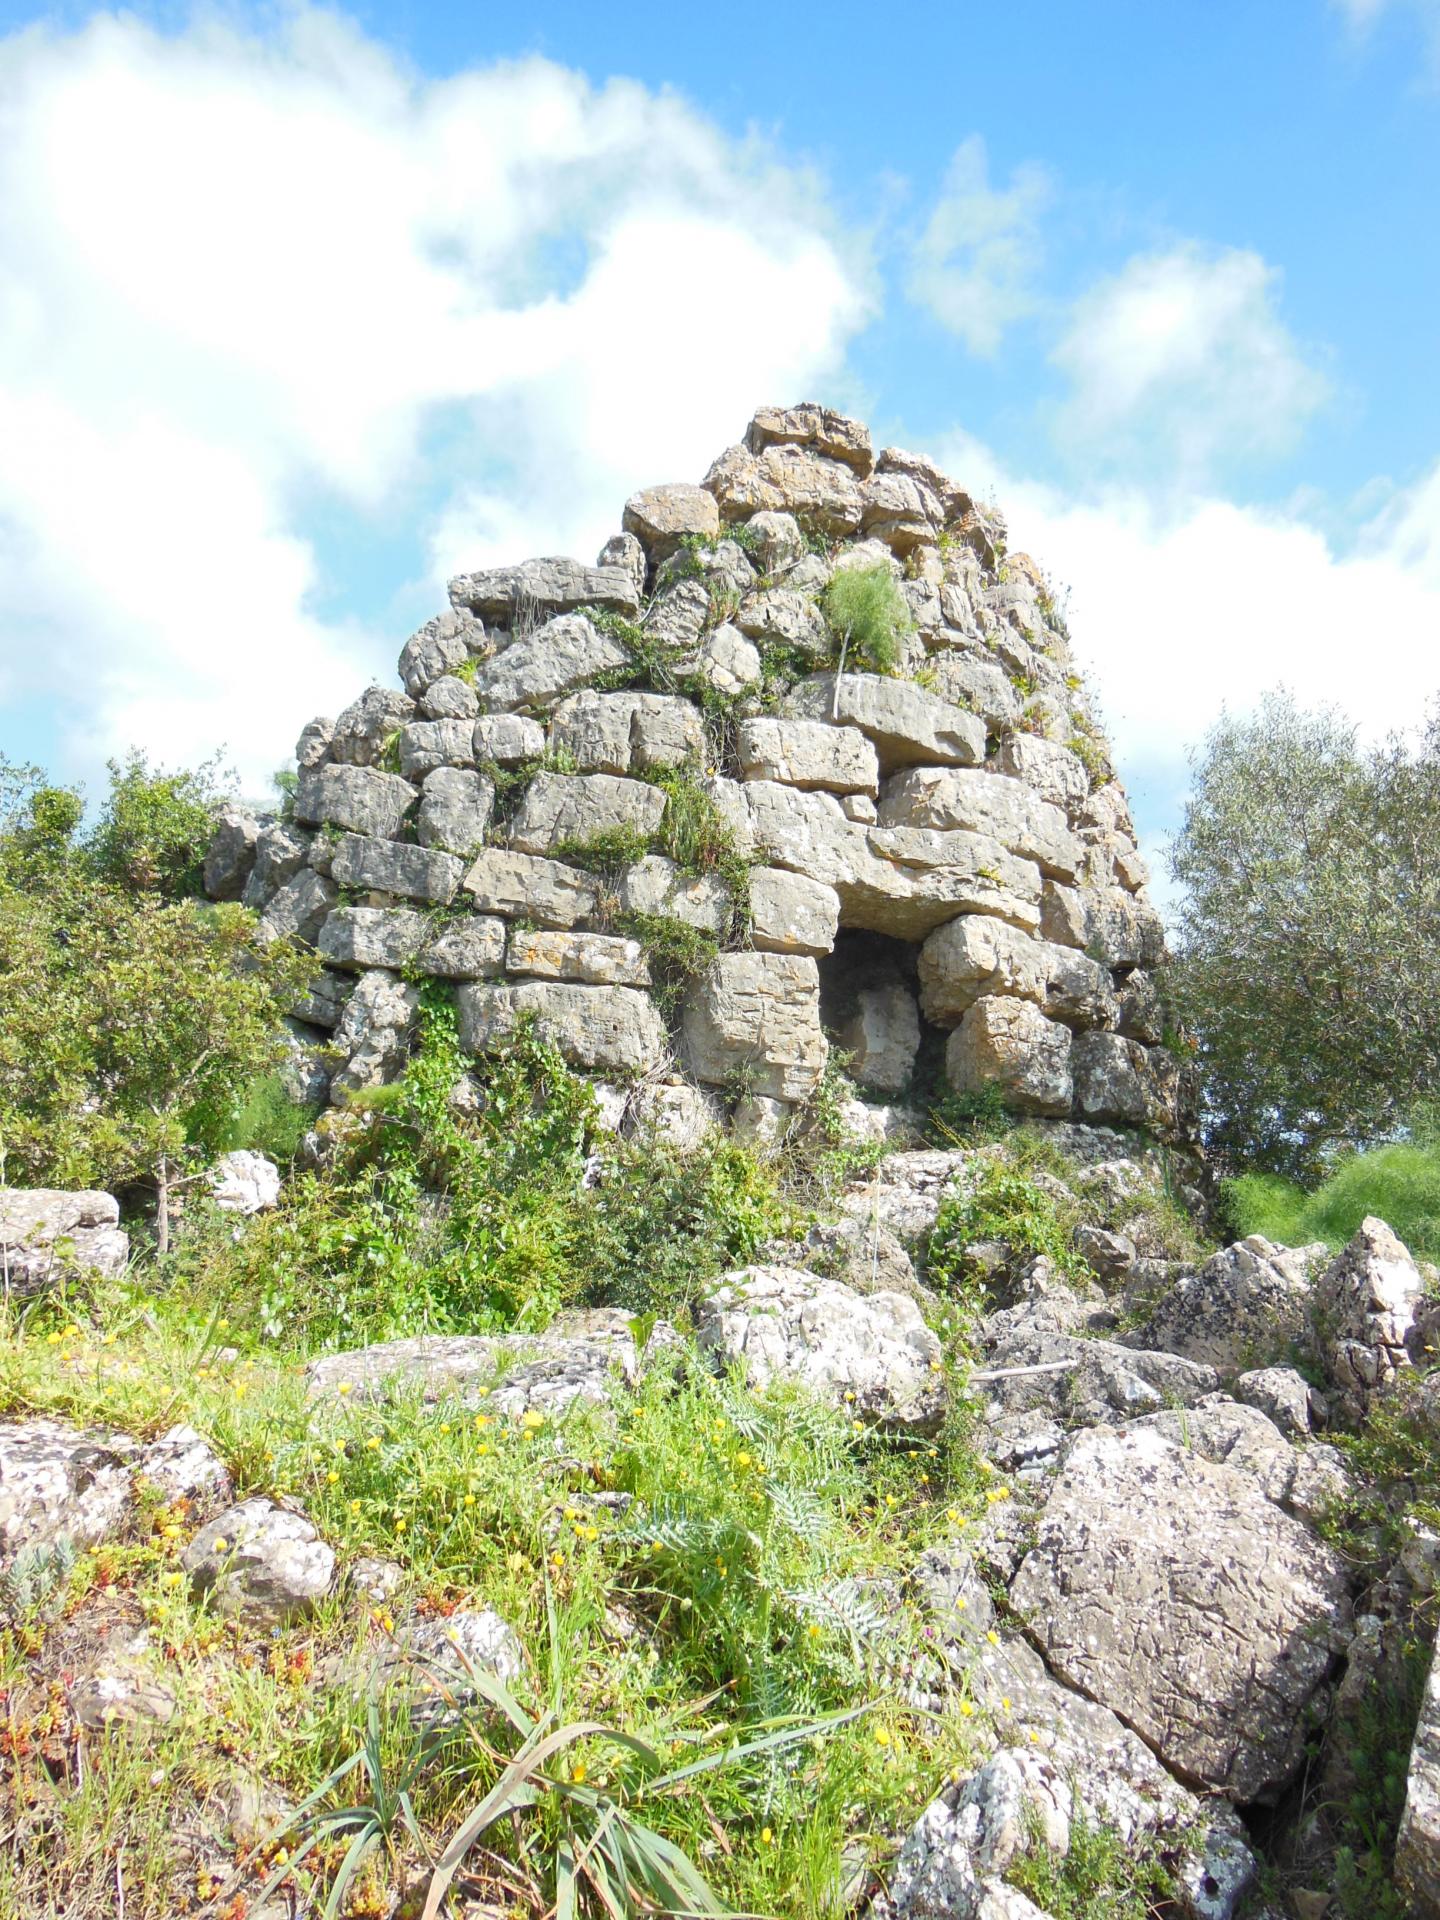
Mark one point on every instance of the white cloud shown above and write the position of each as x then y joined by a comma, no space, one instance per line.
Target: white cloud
975,262
1181,362
1179,609
251,283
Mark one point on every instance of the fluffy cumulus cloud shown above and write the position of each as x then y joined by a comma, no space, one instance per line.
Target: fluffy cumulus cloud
262,285
1181,362
1182,607
974,264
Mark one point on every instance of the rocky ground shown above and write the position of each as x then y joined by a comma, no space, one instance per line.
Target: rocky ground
1108,1549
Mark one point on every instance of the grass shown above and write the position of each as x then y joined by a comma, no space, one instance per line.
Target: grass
1399,1184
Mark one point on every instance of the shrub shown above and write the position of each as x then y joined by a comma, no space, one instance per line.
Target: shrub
869,614
1400,1184
154,828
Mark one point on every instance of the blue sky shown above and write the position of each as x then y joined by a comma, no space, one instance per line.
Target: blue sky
300,310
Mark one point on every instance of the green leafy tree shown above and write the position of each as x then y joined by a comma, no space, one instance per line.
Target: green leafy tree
133,1026
1308,963
155,826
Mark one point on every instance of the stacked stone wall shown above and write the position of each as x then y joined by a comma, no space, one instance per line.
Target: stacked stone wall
511,821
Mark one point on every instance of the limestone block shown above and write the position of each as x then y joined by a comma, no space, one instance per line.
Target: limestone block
807,753
778,540
593,959
674,1115
908,726
974,956
1121,931
657,886
1417,1846
550,586
620,733
313,746
440,646
360,799
790,913
598,1029
506,739
818,428
579,807
1119,1080
788,479
374,1033
449,699
59,1482
389,866
781,616
47,1234
729,662
624,551
540,669
901,510
231,852
521,886
367,724
871,1355
1055,773
976,681
455,810
661,517
362,937
281,850
983,802
882,1037
427,744
1174,1591
470,948
1010,1044
1365,1304
755,1017
299,909
1062,915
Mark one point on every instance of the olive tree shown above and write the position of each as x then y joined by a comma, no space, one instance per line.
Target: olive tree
1308,939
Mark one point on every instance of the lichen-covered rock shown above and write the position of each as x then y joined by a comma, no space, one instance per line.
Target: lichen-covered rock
47,1233
1054,772
754,1018
440,646
301,907
820,428
58,1482
907,725
672,1114
360,799
620,733
1172,1590
506,739
367,724
728,662
425,745
871,1354
1009,1044
1245,1308
983,802
281,851
662,517
1119,1080
786,478
374,1032
231,852
260,1562
657,887
592,959
1365,1303
792,914
598,1029
521,885
581,1356
1304,1480
1282,1395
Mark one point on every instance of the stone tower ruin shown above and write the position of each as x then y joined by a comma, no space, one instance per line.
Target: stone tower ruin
673,808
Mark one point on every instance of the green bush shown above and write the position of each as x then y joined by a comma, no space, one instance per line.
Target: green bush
1399,1184
268,1121
868,613
155,827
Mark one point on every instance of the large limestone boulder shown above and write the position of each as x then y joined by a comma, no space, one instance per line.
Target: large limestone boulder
1120,1081
374,1033
620,733
590,959
554,585
390,866
581,1356
1010,1044
1172,1590
59,1483
536,672
1417,1846
360,799
807,753
790,913
361,733
524,886
1365,1304
661,517
440,646
1244,1309
581,807
983,802
455,809
907,725
755,1018
598,1029
47,1233
231,853
871,1354
819,428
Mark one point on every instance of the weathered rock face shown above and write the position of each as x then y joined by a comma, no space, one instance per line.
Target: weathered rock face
1417,1847
575,745
46,1233
1174,1591
872,1354
1364,1307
